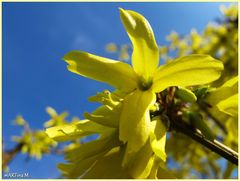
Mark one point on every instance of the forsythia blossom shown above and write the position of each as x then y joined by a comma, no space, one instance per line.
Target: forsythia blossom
225,98
123,121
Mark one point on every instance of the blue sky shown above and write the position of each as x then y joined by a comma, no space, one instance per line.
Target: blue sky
37,35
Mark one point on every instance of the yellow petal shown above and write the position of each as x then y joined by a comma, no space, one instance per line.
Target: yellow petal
115,73
89,149
108,114
143,172
83,157
75,170
145,57
233,82
219,94
64,132
108,167
229,105
135,119
228,89
187,71
140,163
154,170
105,116
51,111
158,138
89,127
80,129
105,97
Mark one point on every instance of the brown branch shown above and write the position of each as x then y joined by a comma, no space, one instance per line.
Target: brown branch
214,145
7,156
176,123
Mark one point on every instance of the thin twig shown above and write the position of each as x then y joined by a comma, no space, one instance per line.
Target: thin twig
214,146
8,156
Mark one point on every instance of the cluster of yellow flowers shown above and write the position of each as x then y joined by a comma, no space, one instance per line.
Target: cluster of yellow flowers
130,144
34,143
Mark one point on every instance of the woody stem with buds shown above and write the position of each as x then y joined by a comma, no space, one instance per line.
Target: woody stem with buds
176,123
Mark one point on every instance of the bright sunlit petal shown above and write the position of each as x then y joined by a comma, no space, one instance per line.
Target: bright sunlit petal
229,105
115,73
134,125
158,138
187,71
145,57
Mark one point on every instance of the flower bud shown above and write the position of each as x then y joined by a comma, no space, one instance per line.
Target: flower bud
186,95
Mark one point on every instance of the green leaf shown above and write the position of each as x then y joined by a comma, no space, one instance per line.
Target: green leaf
201,92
